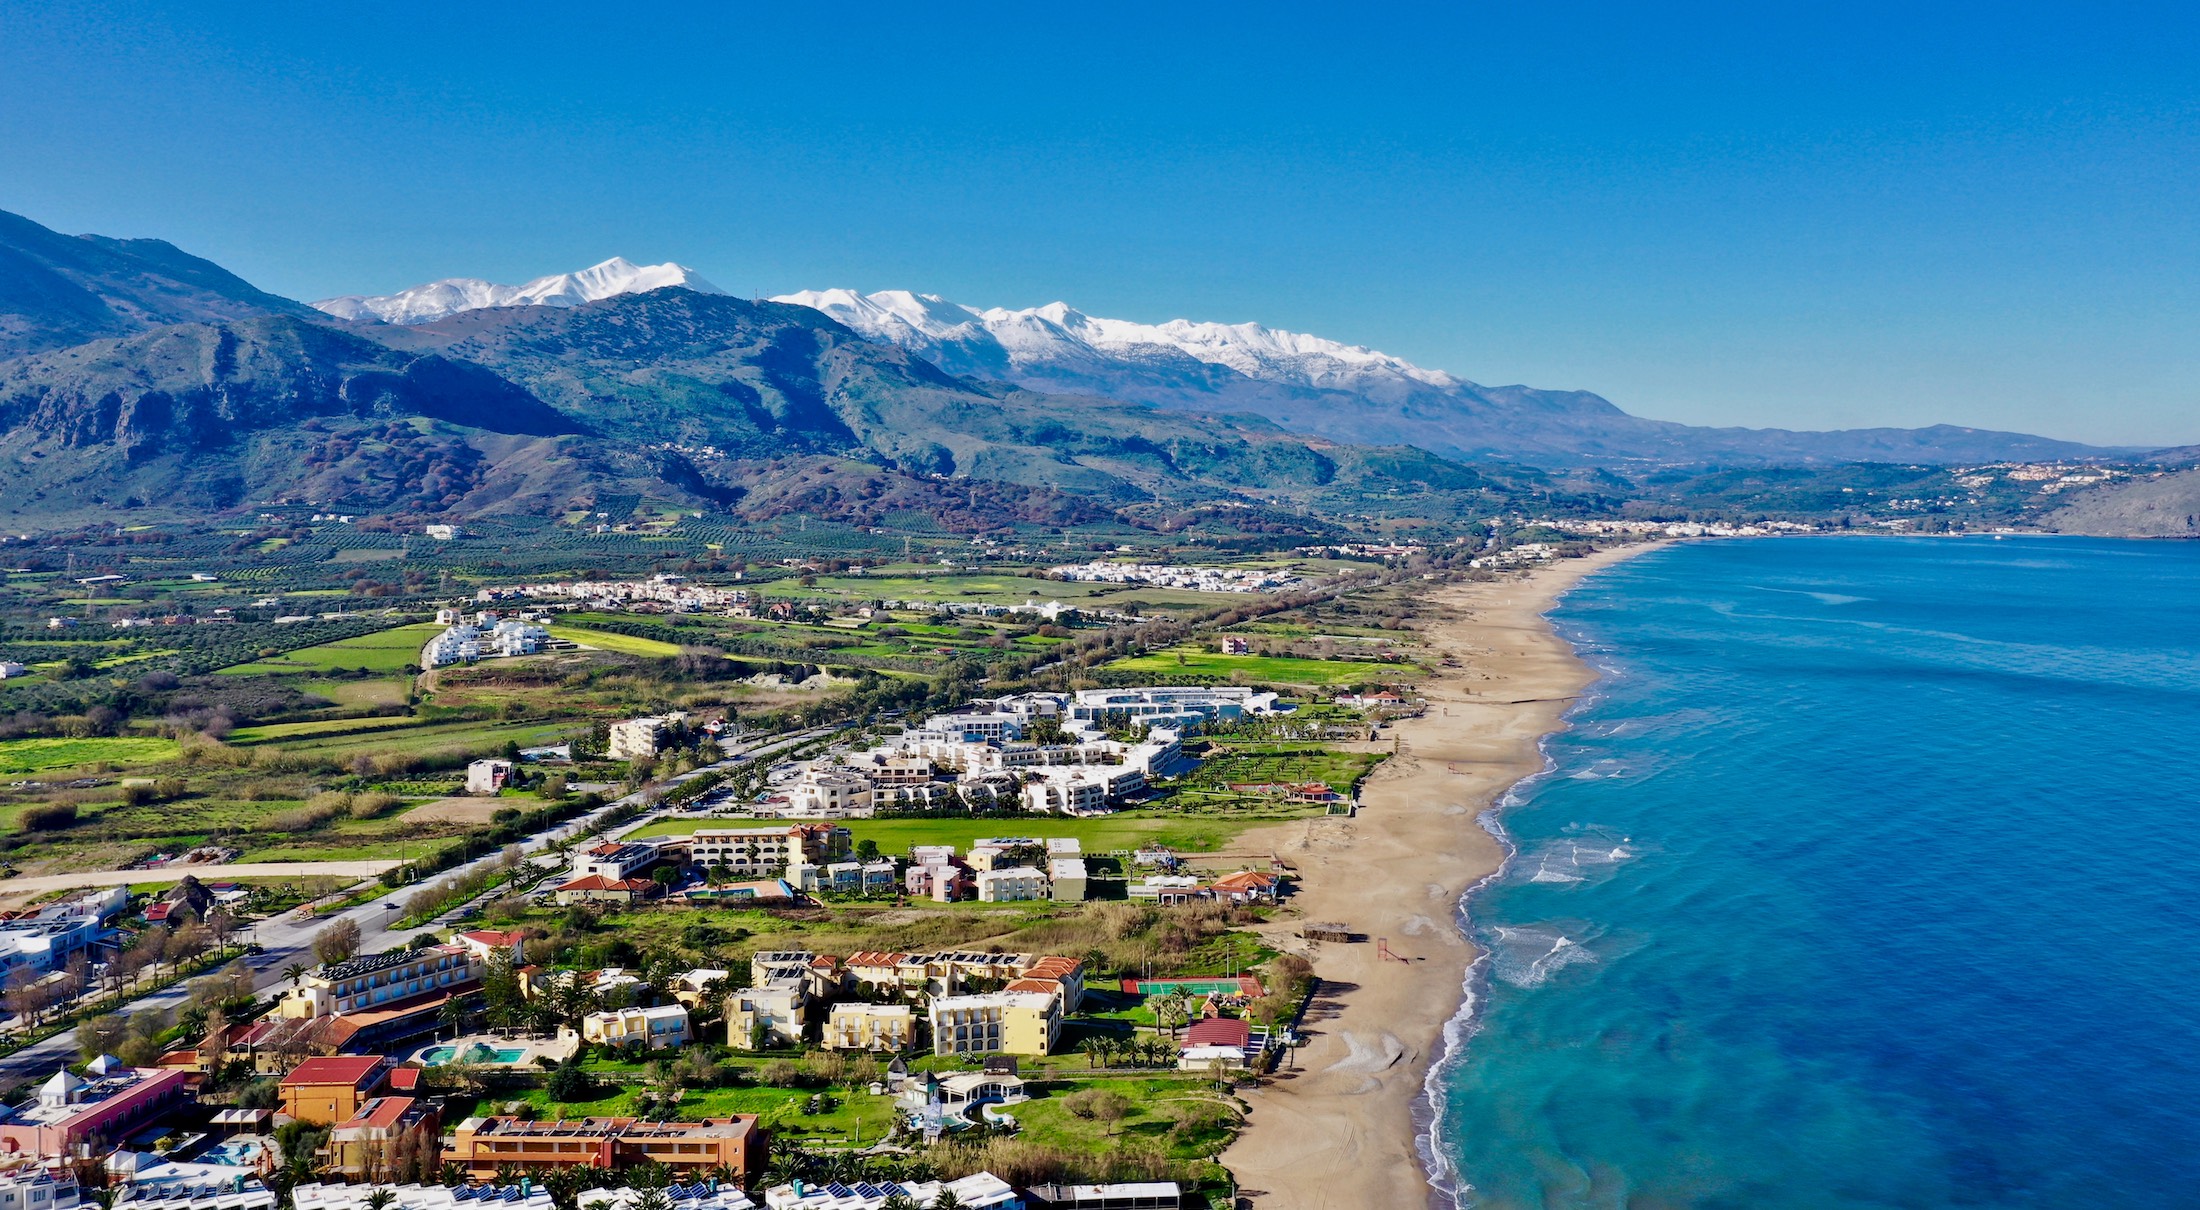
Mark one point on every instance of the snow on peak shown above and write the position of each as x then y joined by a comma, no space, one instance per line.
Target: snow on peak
1058,337
430,302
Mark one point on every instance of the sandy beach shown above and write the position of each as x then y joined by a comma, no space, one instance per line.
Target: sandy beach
1336,1128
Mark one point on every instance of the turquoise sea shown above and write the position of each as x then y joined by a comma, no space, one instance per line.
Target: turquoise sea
1868,876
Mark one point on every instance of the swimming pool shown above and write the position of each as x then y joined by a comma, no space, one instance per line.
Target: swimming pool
478,1052
243,1152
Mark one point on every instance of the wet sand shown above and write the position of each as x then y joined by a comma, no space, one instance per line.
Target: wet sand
1338,1126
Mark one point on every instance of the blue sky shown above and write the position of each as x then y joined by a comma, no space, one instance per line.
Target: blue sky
1720,214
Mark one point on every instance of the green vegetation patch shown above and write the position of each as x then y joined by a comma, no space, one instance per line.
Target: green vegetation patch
38,755
1284,670
623,644
383,651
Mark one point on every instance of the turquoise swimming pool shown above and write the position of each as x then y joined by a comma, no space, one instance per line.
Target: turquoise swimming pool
478,1052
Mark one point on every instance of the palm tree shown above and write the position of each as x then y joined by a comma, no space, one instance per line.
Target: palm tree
1090,1048
946,1200
452,1015
296,973
380,1199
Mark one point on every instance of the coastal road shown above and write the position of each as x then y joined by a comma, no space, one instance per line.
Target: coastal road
288,938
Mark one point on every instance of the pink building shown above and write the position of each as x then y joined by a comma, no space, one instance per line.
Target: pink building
942,882
74,1117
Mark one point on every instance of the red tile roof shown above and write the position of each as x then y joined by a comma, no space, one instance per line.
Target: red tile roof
493,937
1047,986
1246,880
404,1079
597,882
355,1070
380,1113
1219,1031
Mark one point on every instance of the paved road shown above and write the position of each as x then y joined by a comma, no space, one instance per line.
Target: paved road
40,883
288,938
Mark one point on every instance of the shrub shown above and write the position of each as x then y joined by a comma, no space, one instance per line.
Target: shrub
371,806
52,817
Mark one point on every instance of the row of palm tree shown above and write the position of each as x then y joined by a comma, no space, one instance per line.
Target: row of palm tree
1129,1052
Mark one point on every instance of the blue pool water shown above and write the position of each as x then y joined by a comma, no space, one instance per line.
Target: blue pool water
1867,877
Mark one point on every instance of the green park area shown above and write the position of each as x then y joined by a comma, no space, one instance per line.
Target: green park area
1188,660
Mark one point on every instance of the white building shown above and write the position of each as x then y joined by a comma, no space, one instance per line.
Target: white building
978,1191
488,776
36,1187
828,792
1011,886
659,1028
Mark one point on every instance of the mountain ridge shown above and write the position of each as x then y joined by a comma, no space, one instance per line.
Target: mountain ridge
449,296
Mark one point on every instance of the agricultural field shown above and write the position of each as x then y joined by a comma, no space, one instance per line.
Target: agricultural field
420,739
274,732
42,755
389,650
623,644
1189,660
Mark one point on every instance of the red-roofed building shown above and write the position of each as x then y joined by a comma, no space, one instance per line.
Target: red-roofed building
488,943
371,1135
597,888
326,1090
1226,1038
1246,886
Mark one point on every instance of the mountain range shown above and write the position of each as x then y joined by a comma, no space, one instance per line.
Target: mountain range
437,299
135,375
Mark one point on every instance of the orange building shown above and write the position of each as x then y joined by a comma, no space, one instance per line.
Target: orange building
331,1089
483,1145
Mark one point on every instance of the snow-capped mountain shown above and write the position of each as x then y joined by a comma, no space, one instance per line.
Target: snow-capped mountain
430,302
1047,344
1349,393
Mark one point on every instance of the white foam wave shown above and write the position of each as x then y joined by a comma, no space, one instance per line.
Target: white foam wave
1528,955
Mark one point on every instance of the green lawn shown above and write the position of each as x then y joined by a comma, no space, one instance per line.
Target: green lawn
779,1108
38,755
383,651
604,640
1284,670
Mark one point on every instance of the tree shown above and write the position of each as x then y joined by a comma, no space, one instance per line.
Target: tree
452,1015
568,1082
1110,1108
337,943
867,850
296,973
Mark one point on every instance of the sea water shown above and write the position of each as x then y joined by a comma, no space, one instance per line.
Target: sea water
1868,875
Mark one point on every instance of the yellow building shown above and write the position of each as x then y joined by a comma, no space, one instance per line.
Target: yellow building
870,1027
1017,1023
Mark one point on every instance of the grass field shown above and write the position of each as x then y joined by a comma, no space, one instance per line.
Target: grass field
1125,830
333,726
39,755
1281,670
604,640
383,651
433,738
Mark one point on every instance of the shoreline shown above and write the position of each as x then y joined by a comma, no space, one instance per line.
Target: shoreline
1350,1121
